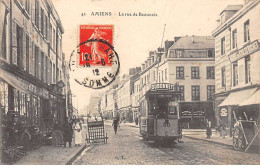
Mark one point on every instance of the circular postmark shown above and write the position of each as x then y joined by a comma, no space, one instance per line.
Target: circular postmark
94,68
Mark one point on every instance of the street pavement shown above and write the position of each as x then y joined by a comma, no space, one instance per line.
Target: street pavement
50,155
127,147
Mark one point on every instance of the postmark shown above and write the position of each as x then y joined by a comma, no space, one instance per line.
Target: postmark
95,64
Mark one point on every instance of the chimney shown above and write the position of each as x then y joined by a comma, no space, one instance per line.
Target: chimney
176,39
168,44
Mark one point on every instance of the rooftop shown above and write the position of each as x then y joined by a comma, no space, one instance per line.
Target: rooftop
194,42
232,8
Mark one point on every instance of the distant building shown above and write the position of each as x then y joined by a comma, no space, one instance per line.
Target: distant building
237,62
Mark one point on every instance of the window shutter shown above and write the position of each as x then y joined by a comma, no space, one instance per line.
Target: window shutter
40,18
14,44
24,51
33,59
39,64
33,11
30,57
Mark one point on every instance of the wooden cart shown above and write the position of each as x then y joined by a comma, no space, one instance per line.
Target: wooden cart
96,132
245,132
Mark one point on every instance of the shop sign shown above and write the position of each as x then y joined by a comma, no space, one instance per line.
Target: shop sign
223,112
162,86
248,49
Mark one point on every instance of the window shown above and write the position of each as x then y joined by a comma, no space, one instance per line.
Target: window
162,76
36,50
195,73
19,44
234,38
42,22
36,13
210,72
154,77
27,6
27,52
181,87
50,35
53,74
246,31
54,40
42,67
4,39
165,74
223,76
179,72
210,92
178,53
247,70
210,53
195,92
235,74
46,28
49,72
3,98
223,46
159,77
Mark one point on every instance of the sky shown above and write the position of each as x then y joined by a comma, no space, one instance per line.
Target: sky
135,36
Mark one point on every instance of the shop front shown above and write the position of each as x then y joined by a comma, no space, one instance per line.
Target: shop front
239,104
194,114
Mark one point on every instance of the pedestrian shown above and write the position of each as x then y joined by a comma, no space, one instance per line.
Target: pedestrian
115,124
208,128
136,120
222,129
67,131
77,127
57,138
26,137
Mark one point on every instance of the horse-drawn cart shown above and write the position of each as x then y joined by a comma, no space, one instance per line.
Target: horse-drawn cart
96,131
245,133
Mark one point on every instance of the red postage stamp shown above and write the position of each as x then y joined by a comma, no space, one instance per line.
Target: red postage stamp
95,42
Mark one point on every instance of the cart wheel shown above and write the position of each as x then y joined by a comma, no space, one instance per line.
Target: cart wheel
238,139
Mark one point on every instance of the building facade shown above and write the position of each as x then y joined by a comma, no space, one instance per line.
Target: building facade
190,63
33,70
237,62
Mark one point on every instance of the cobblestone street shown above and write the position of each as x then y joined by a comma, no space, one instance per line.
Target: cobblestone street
127,147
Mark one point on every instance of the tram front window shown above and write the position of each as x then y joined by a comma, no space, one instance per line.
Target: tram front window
162,109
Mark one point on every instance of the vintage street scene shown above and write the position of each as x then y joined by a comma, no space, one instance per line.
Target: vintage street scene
130,83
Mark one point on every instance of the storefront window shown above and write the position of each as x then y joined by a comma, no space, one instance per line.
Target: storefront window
4,97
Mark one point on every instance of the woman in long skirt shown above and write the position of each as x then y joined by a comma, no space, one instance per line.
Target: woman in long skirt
77,132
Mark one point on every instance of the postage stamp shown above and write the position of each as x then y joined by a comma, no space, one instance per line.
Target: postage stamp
96,63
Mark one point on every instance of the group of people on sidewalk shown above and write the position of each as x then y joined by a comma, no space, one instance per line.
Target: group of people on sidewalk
221,128
67,132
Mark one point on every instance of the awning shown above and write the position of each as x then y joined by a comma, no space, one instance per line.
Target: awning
13,80
254,99
236,98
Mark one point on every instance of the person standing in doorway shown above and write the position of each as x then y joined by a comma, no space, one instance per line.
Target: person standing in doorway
115,124
67,131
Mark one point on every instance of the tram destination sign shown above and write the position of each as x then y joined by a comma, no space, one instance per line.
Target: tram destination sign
162,86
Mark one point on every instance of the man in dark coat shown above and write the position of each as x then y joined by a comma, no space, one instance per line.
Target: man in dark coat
115,124
67,131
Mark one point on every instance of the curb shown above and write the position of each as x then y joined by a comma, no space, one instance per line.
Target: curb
75,156
219,143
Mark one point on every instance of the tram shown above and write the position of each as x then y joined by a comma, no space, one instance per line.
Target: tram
159,114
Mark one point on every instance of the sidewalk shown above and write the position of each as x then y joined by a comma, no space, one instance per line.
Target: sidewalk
49,155
200,134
